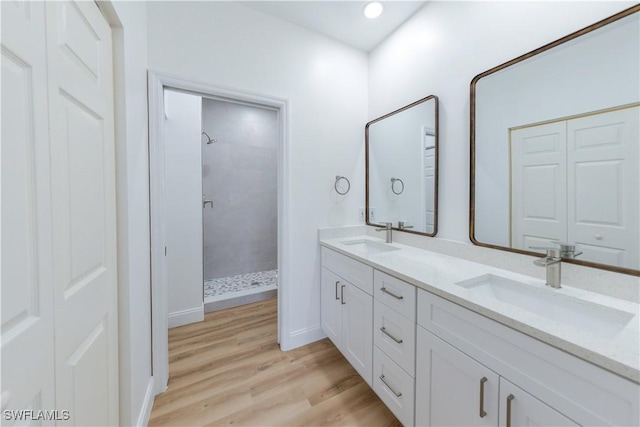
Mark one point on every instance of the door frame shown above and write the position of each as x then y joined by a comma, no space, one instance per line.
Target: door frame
157,82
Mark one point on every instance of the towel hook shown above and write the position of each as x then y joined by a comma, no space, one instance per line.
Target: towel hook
393,185
335,185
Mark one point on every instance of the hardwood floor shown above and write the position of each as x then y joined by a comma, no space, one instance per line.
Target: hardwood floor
228,370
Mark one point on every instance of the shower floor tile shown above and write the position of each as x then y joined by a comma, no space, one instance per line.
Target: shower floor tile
258,282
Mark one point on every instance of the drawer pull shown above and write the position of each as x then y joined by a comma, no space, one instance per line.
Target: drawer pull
337,283
509,399
398,394
384,331
384,290
342,295
483,413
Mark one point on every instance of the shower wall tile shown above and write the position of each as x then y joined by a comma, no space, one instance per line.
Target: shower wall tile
240,177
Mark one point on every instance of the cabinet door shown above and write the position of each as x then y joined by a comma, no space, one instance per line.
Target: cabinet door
451,388
357,330
519,408
330,308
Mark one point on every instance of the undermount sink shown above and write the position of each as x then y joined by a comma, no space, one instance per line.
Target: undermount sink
550,304
368,246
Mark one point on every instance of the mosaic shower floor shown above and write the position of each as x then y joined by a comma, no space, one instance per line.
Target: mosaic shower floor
243,284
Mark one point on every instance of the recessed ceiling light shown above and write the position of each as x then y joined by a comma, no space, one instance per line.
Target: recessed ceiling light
373,10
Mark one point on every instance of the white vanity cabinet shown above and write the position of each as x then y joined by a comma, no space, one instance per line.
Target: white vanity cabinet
436,363
347,309
394,351
455,390
527,382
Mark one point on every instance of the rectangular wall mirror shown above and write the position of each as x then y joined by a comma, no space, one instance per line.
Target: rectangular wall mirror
402,168
554,148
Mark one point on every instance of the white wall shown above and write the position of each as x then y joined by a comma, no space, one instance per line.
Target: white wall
228,44
591,73
183,206
440,49
134,299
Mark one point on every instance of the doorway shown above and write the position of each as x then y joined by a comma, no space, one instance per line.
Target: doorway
240,189
230,100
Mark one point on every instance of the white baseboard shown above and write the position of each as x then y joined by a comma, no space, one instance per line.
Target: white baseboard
147,405
184,317
302,337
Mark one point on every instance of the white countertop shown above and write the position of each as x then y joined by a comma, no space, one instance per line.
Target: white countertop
438,274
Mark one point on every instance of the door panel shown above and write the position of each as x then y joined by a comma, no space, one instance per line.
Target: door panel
429,179
357,330
83,197
26,331
538,190
331,314
526,410
449,387
604,183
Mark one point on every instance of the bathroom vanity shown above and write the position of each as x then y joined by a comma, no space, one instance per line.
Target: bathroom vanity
446,341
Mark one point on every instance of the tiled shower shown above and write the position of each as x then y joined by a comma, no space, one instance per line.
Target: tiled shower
240,180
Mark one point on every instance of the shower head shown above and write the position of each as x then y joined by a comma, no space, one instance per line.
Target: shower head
209,139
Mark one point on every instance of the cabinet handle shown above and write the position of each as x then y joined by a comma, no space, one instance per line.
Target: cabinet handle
483,413
398,394
342,295
509,399
384,290
384,331
337,283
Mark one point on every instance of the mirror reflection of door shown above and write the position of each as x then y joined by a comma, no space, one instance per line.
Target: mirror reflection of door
592,158
429,148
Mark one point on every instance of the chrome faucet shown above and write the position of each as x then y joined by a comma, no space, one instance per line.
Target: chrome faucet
403,226
552,262
388,229
567,250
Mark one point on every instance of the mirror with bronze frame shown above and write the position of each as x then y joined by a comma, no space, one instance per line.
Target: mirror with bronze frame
402,168
555,148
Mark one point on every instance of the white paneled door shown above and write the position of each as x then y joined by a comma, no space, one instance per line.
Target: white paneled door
538,185
59,301
578,181
26,333
604,187
429,178
83,195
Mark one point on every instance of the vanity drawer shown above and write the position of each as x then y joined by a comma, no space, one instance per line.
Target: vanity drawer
395,293
394,386
389,327
355,272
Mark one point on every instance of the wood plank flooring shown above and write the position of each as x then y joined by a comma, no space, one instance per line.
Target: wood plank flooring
228,370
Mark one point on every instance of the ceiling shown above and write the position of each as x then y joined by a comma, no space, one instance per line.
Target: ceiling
342,20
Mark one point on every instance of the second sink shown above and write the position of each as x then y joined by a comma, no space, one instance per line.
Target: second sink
583,315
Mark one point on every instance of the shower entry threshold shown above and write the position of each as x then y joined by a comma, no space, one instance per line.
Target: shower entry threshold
238,290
